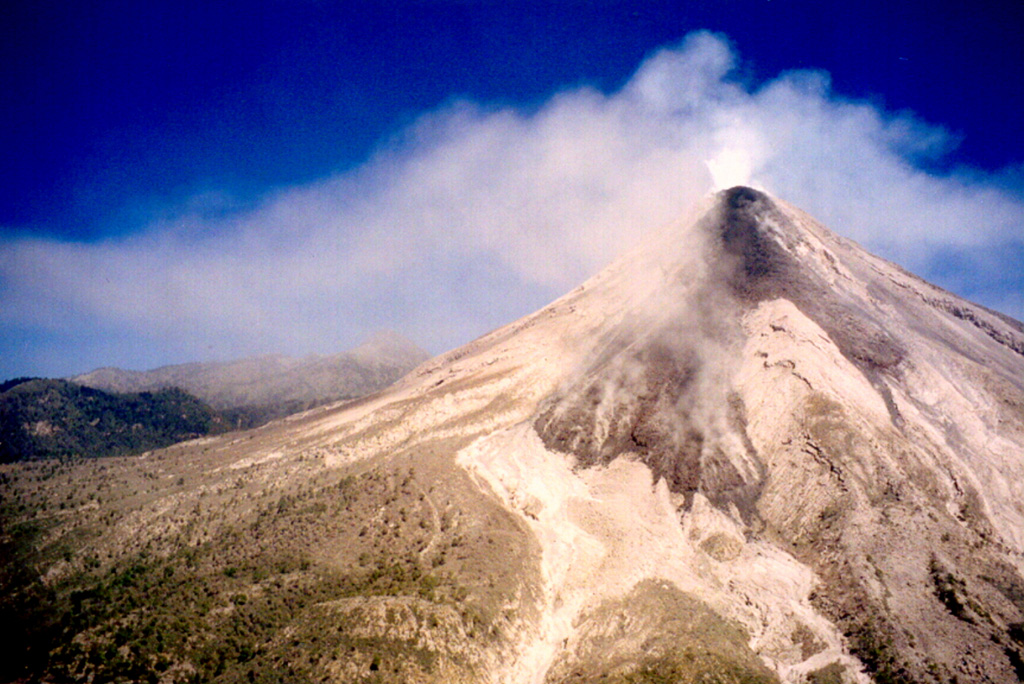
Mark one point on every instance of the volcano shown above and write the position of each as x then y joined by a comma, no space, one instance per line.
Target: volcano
746,451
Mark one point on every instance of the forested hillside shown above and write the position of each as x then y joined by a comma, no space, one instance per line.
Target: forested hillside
42,418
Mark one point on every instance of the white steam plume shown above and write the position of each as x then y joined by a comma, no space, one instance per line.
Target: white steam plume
480,214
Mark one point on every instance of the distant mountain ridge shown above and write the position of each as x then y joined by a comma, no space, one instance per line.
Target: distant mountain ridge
276,384
115,412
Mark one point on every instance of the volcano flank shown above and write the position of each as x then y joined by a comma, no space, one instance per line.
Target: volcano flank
746,451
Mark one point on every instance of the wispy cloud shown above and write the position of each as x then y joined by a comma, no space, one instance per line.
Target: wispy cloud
479,214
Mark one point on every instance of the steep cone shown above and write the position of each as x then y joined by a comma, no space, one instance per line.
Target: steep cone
746,451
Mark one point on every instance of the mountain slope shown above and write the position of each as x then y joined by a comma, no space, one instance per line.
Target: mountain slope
42,419
275,380
746,451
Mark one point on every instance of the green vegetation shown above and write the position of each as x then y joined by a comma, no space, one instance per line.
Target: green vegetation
42,419
949,589
695,665
340,577
25,602
673,637
830,674
871,641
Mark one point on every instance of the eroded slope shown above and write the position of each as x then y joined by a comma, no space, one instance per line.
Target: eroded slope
747,451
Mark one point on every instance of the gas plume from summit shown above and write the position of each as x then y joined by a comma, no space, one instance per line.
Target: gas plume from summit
731,167
745,450
479,213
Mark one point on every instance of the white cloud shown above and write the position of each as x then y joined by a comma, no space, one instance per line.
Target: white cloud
478,215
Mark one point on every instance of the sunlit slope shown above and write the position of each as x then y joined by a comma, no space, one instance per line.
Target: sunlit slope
747,451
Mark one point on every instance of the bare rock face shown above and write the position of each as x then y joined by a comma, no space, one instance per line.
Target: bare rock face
747,451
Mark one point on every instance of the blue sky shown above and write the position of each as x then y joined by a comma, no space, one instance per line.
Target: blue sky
184,181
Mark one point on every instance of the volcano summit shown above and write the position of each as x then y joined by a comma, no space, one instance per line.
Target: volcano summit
747,451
